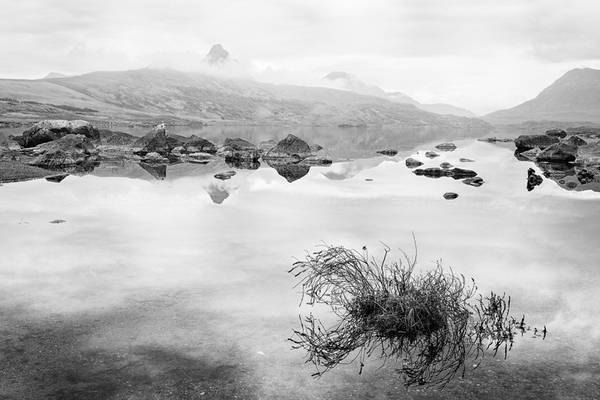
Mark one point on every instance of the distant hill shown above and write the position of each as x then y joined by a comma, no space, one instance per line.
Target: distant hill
346,81
53,75
148,94
574,97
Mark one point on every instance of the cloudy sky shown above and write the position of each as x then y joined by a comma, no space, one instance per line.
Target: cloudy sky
479,54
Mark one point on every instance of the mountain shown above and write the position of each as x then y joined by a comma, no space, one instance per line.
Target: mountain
346,81
53,75
217,55
574,97
163,94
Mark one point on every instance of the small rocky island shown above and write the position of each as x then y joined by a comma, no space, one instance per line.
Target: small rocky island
571,157
52,149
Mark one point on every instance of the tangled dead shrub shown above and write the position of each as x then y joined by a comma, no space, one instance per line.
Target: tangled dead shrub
429,323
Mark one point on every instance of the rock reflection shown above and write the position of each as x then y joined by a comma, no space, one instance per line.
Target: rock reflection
217,193
291,172
158,171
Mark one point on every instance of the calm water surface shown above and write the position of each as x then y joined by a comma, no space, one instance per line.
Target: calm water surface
178,288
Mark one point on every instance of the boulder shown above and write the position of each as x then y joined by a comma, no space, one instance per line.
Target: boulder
450,196
412,163
157,141
446,147
559,152
533,179
558,133
529,155
239,150
291,148
575,141
49,130
528,142
195,144
388,152
69,150
431,154
115,138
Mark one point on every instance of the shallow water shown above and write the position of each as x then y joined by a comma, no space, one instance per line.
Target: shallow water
178,288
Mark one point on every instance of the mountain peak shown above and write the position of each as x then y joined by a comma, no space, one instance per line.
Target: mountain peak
574,97
217,55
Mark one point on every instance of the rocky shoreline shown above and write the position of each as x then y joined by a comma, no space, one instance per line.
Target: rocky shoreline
76,146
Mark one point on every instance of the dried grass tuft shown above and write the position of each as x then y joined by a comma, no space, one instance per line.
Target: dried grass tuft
429,323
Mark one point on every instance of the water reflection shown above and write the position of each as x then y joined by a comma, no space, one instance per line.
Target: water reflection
158,171
428,323
171,270
568,176
291,172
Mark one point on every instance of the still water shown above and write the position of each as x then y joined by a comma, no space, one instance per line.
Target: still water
178,287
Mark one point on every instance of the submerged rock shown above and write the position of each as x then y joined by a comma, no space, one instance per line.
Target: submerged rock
455,173
446,165
533,179
495,139
431,154
49,130
388,152
475,181
528,142
412,163
225,175
466,160
559,152
450,196
446,147
58,221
